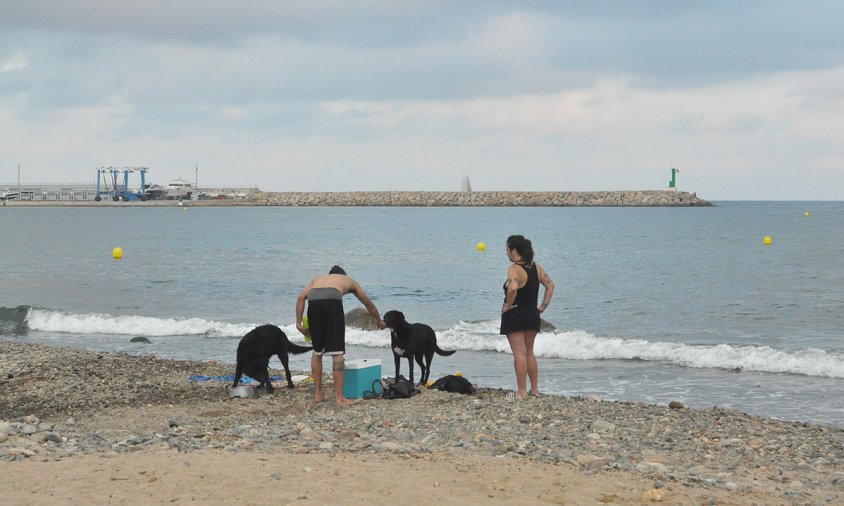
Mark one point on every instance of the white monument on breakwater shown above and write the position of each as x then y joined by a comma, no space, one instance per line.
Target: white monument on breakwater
465,185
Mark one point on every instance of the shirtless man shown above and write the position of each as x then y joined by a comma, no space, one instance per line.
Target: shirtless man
327,324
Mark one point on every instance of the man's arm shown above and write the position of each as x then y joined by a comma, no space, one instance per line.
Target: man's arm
370,306
300,309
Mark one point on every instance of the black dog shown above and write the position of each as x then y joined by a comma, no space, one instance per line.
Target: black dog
255,350
412,340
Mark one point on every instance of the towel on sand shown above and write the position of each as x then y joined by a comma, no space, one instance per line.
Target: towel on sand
243,379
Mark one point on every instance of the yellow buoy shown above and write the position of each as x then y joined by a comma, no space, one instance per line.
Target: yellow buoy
807,214
767,241
117,253
458,374
481,246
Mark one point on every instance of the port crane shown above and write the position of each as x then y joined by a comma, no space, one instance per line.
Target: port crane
119,191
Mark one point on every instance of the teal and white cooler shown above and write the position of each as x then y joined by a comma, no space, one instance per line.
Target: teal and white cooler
360,374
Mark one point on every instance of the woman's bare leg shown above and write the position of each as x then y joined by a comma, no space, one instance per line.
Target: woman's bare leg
530,362
517,345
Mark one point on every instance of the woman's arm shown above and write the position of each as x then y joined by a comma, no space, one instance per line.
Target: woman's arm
512,287
546,281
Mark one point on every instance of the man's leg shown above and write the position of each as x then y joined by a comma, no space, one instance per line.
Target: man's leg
316,373
339,371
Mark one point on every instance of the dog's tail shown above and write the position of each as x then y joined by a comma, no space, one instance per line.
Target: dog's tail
296,349
444,353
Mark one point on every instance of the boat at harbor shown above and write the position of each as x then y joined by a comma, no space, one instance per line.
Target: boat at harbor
178,189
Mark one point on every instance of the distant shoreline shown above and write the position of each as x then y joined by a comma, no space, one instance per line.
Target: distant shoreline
645,198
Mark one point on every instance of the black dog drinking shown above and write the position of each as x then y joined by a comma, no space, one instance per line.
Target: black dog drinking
255,350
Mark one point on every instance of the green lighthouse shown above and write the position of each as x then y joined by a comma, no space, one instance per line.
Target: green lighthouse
672,185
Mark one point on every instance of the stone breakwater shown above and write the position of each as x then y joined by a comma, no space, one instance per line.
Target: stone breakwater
648,198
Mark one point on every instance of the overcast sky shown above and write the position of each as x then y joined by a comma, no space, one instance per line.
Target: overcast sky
745,98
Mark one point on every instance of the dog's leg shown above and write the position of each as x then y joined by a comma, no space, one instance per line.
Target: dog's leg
284,361
237,374
423,376
410,366
266,379
398,364
428,358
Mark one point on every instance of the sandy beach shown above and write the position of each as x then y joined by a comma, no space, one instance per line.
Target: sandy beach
99,428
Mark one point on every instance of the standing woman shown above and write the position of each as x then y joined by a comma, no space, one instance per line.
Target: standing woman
520,314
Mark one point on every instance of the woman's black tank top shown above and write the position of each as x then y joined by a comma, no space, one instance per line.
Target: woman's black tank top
528,295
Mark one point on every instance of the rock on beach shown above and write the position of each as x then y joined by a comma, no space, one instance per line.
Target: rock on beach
61,403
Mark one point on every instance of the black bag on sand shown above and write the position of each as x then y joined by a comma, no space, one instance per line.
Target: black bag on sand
452,383
400,389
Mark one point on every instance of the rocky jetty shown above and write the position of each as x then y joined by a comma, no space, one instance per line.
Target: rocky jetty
648,198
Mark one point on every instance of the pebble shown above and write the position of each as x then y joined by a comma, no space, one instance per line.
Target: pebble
55,406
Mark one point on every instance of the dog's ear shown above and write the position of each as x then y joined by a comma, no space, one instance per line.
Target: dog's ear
401,315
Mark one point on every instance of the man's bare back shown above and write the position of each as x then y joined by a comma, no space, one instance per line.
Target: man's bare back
341,282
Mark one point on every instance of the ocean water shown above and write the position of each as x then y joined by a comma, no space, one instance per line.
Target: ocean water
651,304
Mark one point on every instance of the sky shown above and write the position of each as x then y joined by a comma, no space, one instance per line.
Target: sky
745,99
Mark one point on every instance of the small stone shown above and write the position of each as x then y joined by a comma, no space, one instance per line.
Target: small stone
53,438
588,460
651,467
653,494
676,405
602,426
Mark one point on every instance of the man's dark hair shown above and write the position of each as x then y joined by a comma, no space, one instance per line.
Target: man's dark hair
337,270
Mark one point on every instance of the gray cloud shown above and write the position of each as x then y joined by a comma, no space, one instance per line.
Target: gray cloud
442,86
659,43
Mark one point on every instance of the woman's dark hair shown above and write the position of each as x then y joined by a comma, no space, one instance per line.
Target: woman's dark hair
522,246
337,270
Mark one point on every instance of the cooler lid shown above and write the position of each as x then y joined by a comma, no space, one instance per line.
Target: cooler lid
362,363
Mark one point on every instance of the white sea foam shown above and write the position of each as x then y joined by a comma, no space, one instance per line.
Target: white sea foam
91,323
481,336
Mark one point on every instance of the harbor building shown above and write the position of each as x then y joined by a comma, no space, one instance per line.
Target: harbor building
88,192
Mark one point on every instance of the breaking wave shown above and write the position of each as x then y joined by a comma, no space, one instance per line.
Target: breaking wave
473,336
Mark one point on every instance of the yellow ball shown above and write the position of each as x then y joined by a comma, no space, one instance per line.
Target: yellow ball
185,208
481,246
767,241
117,253
307,324
807,214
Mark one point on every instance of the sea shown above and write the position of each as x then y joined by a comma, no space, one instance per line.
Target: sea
651,304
